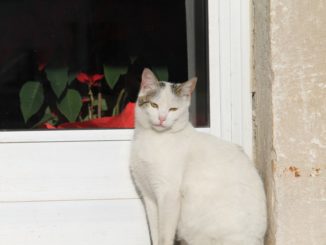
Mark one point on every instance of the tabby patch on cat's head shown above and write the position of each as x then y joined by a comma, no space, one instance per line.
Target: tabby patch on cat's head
150,87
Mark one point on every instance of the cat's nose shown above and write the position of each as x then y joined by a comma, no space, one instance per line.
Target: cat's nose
162,118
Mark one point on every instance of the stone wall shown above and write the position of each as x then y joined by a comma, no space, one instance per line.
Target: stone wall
290,116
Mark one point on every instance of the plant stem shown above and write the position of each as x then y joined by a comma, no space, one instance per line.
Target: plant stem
116,109
99,105
90,114
91,106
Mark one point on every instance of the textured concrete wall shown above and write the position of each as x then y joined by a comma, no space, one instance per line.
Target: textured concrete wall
262,102
295,160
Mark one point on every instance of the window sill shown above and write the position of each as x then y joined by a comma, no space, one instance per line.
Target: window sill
78,135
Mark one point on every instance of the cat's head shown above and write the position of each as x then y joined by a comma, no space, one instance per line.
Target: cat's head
162,105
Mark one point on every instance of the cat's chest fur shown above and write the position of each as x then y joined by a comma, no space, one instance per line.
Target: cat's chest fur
158,161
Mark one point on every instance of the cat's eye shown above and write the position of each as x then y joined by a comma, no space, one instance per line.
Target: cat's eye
154,105
173,109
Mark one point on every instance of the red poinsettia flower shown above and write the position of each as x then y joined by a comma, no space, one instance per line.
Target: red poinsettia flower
41,66
85,99
91,80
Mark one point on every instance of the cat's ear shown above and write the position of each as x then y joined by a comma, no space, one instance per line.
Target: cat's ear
149,82
189,86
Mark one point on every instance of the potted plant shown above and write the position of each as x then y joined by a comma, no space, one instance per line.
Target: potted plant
61,98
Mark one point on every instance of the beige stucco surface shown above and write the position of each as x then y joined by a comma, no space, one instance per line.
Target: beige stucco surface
262,103
298,55
294,157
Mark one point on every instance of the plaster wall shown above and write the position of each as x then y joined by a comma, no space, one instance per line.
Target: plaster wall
262,103
294,158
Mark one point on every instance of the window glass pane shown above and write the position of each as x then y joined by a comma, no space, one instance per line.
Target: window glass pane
77,64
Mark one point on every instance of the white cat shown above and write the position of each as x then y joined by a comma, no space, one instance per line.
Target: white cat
194,185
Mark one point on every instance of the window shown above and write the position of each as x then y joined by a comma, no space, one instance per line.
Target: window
77,64
54,176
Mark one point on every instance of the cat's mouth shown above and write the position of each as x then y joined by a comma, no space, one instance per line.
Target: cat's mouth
159,127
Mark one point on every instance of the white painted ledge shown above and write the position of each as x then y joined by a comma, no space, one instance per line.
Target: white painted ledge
78,135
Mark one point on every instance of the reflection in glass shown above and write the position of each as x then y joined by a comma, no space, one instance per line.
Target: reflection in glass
75,64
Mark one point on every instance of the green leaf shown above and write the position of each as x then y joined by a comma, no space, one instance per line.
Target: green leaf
71,77
31,98
104,105
112,74
161,73
46,117
70,105
58,78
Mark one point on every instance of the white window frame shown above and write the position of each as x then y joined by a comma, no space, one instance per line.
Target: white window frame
230,71
229,88
41,198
